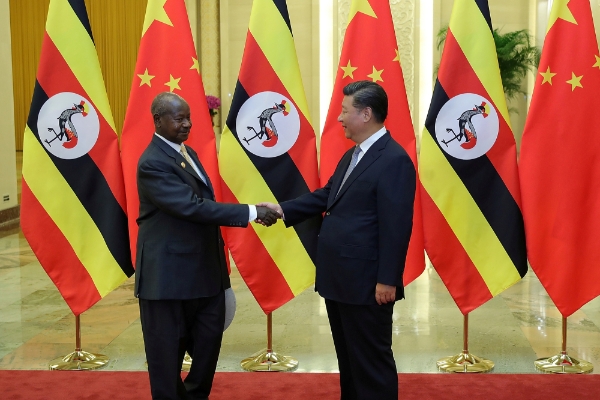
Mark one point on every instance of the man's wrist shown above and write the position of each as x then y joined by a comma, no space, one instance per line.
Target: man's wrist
252,212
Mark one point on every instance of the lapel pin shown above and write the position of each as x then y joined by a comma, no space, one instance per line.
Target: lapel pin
183,164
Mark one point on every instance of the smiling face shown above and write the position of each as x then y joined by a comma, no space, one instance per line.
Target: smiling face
353,119
175,123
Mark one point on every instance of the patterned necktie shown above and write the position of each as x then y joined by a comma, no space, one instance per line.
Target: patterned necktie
187,157
353,162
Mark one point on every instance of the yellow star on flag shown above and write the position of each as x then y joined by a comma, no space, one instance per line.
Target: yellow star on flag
597,62
173,83
560,11
575,81
397,58
547,76
155,12
195,64
146,78
361,6
349,70
376,75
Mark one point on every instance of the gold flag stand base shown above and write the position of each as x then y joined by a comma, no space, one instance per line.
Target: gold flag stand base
465,362
563,363
267,360
78,360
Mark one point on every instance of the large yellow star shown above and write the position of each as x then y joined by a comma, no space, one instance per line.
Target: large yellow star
195,64
173,83
376,75
397,58
362,6
560,11
575,81
145,78
547,76
155,11
597,62
349,70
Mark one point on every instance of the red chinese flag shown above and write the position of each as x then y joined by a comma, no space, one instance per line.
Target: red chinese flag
167,61
559,164
371,22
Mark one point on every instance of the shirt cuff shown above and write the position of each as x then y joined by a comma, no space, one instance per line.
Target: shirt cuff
253,213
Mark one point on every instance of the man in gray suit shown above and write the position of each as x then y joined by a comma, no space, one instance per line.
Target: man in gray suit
363,241
181,273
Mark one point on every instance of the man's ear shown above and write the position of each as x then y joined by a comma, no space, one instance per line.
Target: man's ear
156,118
367,114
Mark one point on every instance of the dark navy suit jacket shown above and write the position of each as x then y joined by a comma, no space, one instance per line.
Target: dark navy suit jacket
366,228
180,251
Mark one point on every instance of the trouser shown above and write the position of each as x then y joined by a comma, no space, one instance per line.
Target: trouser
170,327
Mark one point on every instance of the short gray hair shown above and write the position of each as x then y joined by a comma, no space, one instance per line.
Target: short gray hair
161,101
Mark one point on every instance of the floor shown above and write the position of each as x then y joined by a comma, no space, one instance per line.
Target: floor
512,330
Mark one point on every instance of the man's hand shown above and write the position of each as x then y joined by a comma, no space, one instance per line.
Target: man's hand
266,216
275,207
384,293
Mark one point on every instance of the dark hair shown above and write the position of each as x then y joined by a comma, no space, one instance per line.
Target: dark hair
368,94
160,104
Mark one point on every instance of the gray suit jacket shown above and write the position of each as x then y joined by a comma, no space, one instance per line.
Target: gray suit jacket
180,251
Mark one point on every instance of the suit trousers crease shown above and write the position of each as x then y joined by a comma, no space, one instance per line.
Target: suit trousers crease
362,335
170,327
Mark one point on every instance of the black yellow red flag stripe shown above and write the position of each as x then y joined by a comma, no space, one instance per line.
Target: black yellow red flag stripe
473,225
268,153
73,197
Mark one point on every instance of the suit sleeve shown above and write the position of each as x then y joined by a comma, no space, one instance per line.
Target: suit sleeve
306,206
395,199
169,193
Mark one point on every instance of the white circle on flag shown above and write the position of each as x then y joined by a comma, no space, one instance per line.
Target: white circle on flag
268,124
68,125
467,126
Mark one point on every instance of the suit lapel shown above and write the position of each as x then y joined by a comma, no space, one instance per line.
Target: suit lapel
365,162
338,174
195,158
182,162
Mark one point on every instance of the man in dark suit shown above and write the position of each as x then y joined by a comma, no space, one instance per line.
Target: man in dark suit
363,241
181,273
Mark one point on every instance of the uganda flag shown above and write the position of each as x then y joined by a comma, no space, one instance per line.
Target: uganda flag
73,198
370,22
559,164
268,153
473,226
166,62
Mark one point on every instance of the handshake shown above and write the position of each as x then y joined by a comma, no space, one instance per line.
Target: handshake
268,213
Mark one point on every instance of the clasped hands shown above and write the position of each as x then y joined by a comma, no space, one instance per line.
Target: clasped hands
268,213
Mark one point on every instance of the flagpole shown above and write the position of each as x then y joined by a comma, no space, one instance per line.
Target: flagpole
78,360
563,363
267,360
465,361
